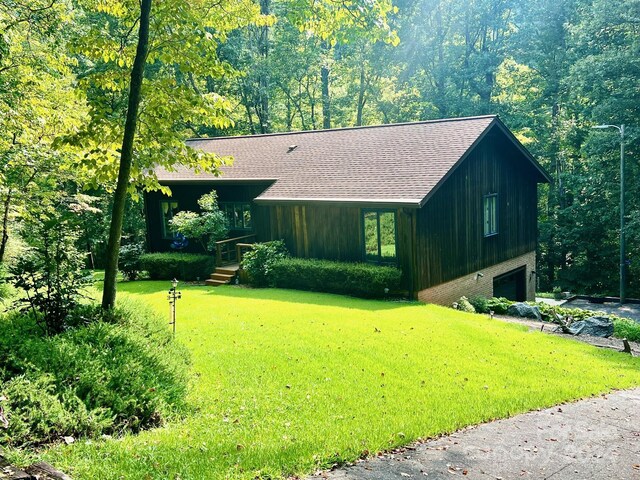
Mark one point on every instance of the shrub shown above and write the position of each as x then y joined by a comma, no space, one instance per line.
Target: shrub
625,328
557,293
259,261
121,372
206,227
358,279
464,305
129,260
499,305
480,304
49,271
5,288
183,266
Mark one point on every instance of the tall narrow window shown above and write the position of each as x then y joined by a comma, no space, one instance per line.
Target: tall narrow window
379,236
167,210
490,214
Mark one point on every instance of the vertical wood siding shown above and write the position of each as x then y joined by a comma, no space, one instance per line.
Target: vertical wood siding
449,228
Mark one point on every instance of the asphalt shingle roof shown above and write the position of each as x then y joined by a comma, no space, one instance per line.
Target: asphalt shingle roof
399,163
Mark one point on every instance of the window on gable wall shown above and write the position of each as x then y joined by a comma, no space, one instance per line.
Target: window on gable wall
490,214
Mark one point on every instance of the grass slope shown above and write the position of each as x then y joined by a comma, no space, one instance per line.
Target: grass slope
286,382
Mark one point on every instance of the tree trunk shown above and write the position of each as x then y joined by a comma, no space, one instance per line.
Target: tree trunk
326,99
263,87
126,158
361,93
5,225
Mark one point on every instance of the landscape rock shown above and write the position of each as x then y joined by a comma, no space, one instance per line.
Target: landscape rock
524,311
595,326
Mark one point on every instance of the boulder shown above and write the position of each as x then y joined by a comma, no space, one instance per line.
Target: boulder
524,311
594,326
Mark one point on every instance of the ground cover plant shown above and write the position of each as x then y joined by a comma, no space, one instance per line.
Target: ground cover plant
106,373
286,382
623,327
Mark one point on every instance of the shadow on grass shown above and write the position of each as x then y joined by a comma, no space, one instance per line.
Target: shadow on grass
146,287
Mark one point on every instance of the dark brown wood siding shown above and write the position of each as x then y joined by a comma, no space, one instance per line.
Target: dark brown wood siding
310,231
330,232
449,228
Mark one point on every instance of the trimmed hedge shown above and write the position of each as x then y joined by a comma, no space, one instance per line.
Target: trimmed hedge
357,279
183,266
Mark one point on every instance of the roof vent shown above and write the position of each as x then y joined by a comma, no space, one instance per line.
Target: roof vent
292,148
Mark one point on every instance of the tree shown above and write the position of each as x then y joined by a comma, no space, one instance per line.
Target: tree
38,104
126,158
141,116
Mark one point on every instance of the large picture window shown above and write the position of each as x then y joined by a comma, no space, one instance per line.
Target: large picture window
490,214
168,209
238,215
379,236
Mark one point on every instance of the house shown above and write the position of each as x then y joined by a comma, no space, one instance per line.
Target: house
452,203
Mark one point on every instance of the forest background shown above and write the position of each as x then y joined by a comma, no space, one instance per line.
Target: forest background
551,69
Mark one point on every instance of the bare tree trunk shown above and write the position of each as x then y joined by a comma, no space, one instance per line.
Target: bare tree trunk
326,99
5,225
263,87
361,92
126,158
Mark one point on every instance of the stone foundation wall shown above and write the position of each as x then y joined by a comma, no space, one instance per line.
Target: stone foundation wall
472,285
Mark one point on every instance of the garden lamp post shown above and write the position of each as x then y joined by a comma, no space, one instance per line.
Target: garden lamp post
174,295
623,260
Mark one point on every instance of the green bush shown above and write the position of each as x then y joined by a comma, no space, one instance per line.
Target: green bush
115,372
625,328
6,291
480,304
464,305
498,305
129,260
358,279
183,266
259,261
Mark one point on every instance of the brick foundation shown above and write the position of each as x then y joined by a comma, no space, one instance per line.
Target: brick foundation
471,285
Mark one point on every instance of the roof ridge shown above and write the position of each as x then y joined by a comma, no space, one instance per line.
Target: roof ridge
361,127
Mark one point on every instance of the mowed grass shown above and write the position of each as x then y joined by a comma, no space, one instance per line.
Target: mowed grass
287,382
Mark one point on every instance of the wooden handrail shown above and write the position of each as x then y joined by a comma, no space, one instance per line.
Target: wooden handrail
234,239
239,247
229,250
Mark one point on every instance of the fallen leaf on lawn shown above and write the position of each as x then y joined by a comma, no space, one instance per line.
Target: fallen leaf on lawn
404,474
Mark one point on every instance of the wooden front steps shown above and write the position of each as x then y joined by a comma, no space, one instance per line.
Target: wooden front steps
222,275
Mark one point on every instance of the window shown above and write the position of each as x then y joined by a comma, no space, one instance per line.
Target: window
238,215
490,214
379,236
167,210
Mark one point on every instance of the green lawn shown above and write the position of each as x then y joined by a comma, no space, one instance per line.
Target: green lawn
287,382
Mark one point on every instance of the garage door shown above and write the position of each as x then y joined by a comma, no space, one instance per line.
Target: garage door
511,285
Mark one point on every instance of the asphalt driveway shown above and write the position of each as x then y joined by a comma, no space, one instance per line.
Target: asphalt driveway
597,438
